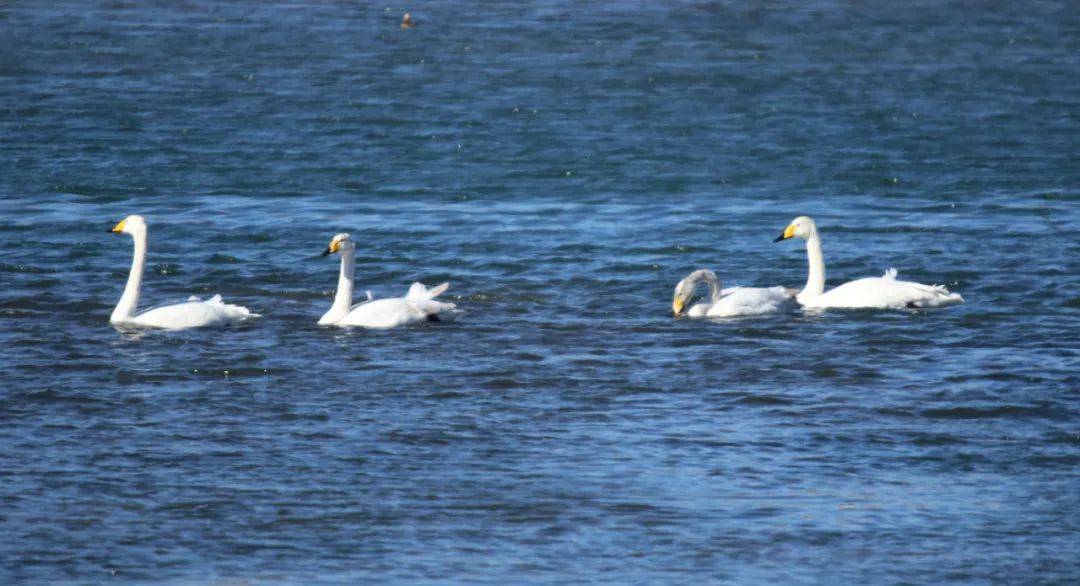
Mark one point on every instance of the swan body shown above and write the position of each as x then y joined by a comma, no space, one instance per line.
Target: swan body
192,314
418,305
731,302
884,292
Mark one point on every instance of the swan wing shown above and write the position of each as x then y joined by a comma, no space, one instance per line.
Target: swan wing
193,314
384,313
395,312
886,292
740,301
699,309
230,311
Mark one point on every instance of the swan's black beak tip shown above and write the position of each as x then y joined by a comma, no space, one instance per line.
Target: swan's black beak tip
779,238
326,252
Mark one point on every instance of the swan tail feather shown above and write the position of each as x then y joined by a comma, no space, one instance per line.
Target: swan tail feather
229,310
435,306
438,289
418,292
939,298
933,295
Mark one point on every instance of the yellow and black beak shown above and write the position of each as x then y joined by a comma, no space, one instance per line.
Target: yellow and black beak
677,306
119,227
334,247
788,233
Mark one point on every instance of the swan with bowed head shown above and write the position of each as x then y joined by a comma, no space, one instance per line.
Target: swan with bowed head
731,302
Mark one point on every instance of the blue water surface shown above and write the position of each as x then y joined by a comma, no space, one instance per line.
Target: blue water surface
563,164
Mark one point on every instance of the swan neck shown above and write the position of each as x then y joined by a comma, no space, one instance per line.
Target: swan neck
815,280
714,287
125,308
343,297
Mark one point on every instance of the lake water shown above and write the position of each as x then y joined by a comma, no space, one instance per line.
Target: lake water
563,165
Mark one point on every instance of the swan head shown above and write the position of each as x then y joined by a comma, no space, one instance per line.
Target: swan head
338,243
684,291
133,224
801,227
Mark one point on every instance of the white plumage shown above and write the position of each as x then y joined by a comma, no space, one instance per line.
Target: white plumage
883,292
418,305
731,302
191,314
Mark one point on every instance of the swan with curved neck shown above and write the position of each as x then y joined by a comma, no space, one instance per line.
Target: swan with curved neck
180,316
733,302
417,306
883,292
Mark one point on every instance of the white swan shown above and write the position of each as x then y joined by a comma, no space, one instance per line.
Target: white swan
418,305
193,314
883,292
731,302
